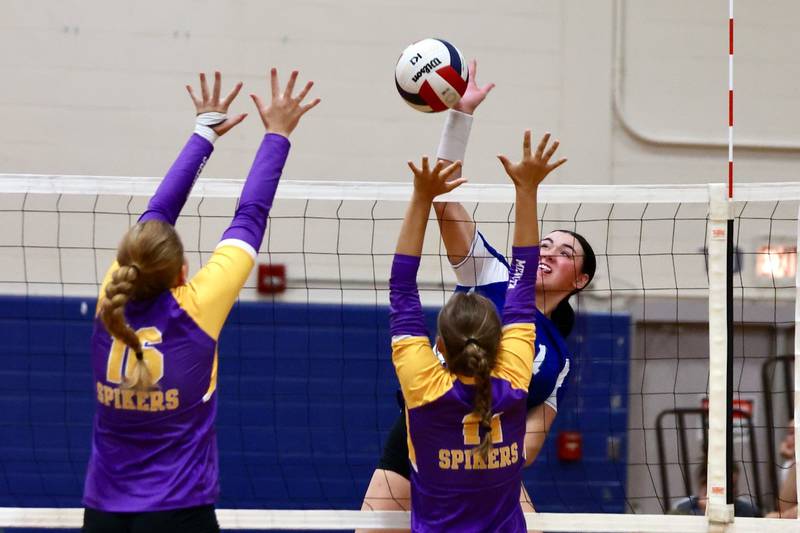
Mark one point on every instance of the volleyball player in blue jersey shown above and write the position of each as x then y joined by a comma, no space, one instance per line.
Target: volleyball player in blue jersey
153,465
567,265
466,419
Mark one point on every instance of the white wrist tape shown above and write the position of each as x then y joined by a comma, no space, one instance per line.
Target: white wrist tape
204,123
453,144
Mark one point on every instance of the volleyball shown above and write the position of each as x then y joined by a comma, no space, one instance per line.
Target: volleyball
431,75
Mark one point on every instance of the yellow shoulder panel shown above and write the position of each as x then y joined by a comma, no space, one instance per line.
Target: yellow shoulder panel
515,356
421,376
211,293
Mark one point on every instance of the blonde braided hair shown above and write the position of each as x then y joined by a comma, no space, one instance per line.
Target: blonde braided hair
150,256
470,329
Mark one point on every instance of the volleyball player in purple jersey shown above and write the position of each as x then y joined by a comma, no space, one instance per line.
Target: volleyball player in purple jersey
466,421
478,266
153,465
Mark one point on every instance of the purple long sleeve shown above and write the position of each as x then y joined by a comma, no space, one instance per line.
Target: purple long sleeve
405,309
171,195
250,220
521,292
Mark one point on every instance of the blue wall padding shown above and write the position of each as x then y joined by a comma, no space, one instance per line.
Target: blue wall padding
306,397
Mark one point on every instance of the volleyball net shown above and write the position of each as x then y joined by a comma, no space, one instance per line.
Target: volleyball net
307,392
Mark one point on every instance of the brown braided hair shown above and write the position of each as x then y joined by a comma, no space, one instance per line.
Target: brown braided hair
470,330
150,258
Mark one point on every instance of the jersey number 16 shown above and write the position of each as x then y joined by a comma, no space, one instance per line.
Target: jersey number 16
121,354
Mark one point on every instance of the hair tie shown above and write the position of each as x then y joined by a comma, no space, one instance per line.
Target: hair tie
139,355
471,340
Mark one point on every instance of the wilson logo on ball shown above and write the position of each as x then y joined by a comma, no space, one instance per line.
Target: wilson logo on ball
431,75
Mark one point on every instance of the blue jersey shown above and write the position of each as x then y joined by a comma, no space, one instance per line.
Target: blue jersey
486,271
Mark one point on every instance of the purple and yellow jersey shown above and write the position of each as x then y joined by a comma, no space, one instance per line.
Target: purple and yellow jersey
157,450
453,489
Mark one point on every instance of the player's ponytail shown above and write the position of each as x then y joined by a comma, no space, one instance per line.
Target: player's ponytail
478,362
470,330
150,258
112,312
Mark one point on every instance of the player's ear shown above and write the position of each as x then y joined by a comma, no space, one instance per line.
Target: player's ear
440,346
183,277
581,281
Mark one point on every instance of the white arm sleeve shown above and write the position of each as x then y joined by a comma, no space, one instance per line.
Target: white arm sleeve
480,266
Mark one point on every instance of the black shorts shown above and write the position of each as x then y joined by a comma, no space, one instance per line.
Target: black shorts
200,519
395,451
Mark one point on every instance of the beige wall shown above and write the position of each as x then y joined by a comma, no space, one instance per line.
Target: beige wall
97,87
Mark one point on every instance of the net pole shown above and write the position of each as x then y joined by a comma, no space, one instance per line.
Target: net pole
730,99
719,511
729,282
730,489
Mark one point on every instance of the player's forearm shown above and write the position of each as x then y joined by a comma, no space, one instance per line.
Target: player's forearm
412,232
526,218
537,425
405,312
405,308
454,139
457,229
521,292
455,224
171,195
255,202
787,496
534,442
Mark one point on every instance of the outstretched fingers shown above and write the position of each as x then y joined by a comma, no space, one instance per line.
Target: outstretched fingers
308,107
237,119
526,145
273,81
203,87
449,170
507,165
232,95
197,102
414,168
217,87
305,90
450,185
557,164
472,69
258,101
550,151
287,93
542,145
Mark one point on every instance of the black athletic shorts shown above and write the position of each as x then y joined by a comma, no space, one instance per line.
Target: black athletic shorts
395,451
200,519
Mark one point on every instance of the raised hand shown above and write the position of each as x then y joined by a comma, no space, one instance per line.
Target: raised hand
211,103
474,95
532,169
283,113
430,183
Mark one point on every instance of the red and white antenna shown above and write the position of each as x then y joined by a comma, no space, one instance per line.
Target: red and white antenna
730,99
